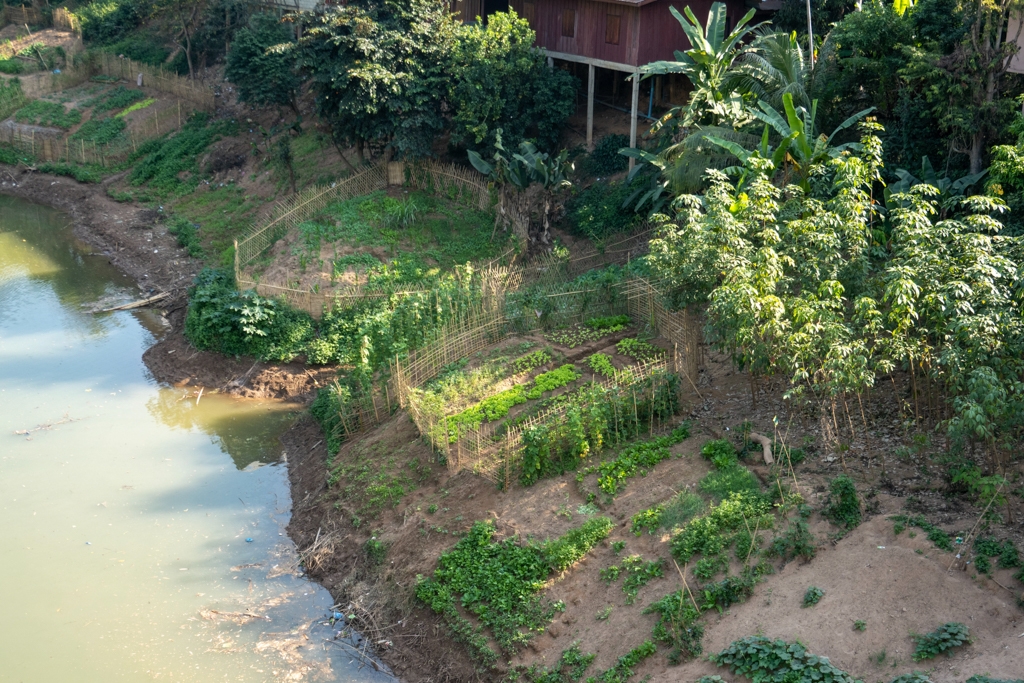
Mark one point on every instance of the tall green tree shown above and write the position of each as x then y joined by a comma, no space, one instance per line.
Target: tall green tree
262,74
498,80
378,70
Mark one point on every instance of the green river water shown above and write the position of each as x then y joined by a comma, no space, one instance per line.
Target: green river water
126,509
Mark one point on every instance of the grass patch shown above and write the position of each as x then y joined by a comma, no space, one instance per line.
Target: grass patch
49,114
169,165
720,484
222,213
100,131
369,480
680,509
500,582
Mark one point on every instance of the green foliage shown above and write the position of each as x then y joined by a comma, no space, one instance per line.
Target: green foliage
721,453
612,323
986,679
100,131
602,365
79,173
491,408
135,107
596,415
263,73
185,232
141,47
860,625
529,362
169,165
497,81
43,113
763,659
555,379
812,596
677,626
947,636
11,66
913,677
565,551
225,320
576,336
618,546
601,210
842,507
107,21
498,581
720,484
796,541
714,532
639,350
379,71
646,519
631,461
570,669
637,574
110,100
940,538
623,669
376,551
680,509
605,160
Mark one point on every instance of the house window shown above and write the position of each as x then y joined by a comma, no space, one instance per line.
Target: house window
530,13
611,29
569,23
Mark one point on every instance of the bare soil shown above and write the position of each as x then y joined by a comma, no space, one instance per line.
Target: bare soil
897,584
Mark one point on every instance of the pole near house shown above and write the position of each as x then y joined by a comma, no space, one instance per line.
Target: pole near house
632,116
590,106
810,34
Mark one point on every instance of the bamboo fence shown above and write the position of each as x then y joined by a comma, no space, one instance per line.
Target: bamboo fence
20,15
66,21
158,79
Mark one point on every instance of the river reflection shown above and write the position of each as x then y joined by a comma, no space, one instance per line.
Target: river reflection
139,538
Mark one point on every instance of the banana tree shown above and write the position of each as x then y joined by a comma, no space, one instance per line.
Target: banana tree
951,192
807,147
522,170
777,155
706,64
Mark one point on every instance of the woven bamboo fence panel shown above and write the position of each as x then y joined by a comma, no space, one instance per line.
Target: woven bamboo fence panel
494,452
452,181
158,79
21,15
65,20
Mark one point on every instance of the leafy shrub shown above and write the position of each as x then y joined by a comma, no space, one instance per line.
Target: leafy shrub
612,323
571,666
623,669
262,76
79,173
946,637
940,538
680,509
234,323
498,581
986,679
677,626
632,460
141,47
602,365
185,232
796,541
100,131
639,350
118,98
605,160
721,453
562,553
43,113
720,484
107,21
913,677
11,66
376,551
763,659
555,379
842,507
713,533
646,519
812,596
598,212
